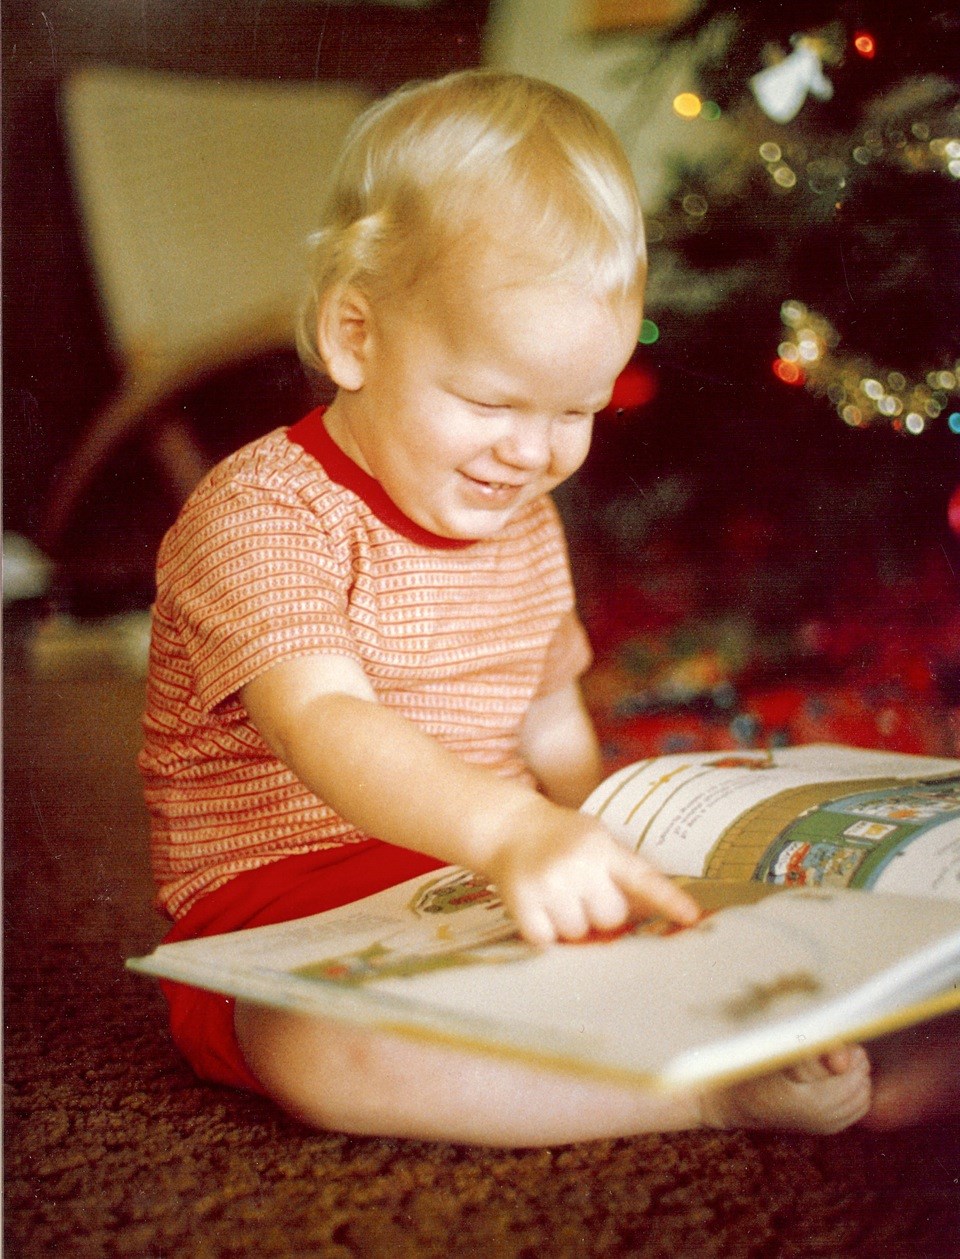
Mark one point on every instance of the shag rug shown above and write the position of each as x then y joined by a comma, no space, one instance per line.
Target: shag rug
114,1149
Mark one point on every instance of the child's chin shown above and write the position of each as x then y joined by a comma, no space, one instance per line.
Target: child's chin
486,527
473,526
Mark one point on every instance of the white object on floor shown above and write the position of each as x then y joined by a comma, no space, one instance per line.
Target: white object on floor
26,570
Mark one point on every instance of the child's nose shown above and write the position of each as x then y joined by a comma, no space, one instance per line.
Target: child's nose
528,442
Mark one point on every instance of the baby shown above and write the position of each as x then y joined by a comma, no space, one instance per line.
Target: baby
366,656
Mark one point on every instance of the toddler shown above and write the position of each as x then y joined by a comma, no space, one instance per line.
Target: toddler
365,655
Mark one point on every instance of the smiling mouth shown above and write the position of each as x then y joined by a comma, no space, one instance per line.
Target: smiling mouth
501,486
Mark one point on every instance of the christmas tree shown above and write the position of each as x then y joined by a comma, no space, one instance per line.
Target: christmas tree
799,383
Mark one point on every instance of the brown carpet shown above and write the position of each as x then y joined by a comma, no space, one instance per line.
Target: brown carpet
113,1149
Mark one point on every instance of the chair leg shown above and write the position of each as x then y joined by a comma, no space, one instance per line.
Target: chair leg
132,411
119,420
140,407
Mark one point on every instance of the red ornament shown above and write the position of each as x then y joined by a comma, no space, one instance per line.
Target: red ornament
634,388
953,511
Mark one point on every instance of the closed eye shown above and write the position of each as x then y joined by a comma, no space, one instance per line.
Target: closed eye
572,415
485,406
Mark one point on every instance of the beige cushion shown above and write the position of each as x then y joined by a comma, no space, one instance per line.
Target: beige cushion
197,196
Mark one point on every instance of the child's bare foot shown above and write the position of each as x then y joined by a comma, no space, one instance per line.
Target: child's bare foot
917,1075
819,1095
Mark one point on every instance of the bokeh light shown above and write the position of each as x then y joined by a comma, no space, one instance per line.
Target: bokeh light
865,44
687,105
789,373
695,205
634,388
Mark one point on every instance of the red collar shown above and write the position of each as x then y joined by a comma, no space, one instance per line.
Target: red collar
311,434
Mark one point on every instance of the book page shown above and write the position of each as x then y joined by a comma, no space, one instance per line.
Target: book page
820,815
748,986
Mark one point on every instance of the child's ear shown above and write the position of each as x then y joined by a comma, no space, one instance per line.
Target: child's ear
343,336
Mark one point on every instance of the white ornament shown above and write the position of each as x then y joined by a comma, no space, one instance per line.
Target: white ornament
782,89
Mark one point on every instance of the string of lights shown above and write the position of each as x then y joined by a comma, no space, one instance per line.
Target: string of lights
862,393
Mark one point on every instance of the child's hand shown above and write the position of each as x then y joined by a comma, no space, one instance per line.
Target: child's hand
560,872
567,875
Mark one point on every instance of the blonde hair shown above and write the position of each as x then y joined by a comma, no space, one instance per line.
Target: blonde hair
476,152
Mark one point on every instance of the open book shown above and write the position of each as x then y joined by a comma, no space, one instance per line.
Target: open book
830,881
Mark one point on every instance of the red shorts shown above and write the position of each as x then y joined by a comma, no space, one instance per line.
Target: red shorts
294,887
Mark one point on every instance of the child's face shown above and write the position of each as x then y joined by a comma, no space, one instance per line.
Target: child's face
478,393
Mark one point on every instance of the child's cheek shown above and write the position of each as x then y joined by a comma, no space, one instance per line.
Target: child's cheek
572,450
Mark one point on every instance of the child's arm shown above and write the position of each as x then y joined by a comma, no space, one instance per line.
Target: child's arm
559,872
560,746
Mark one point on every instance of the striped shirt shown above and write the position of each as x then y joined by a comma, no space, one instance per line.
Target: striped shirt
290,549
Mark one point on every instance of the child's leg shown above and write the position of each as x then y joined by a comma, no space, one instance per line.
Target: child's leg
917,1075
355,1080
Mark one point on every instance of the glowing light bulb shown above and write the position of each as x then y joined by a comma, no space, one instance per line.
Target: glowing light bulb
789,373
687,105
865,44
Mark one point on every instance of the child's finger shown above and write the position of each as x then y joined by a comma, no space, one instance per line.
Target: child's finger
570,919
646,889
608,908
533,921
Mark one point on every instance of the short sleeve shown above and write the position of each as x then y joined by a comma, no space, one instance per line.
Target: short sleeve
248,576
568,655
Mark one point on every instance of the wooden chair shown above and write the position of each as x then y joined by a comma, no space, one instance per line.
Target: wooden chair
196,197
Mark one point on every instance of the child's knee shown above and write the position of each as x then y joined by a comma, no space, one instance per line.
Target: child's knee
325,1073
